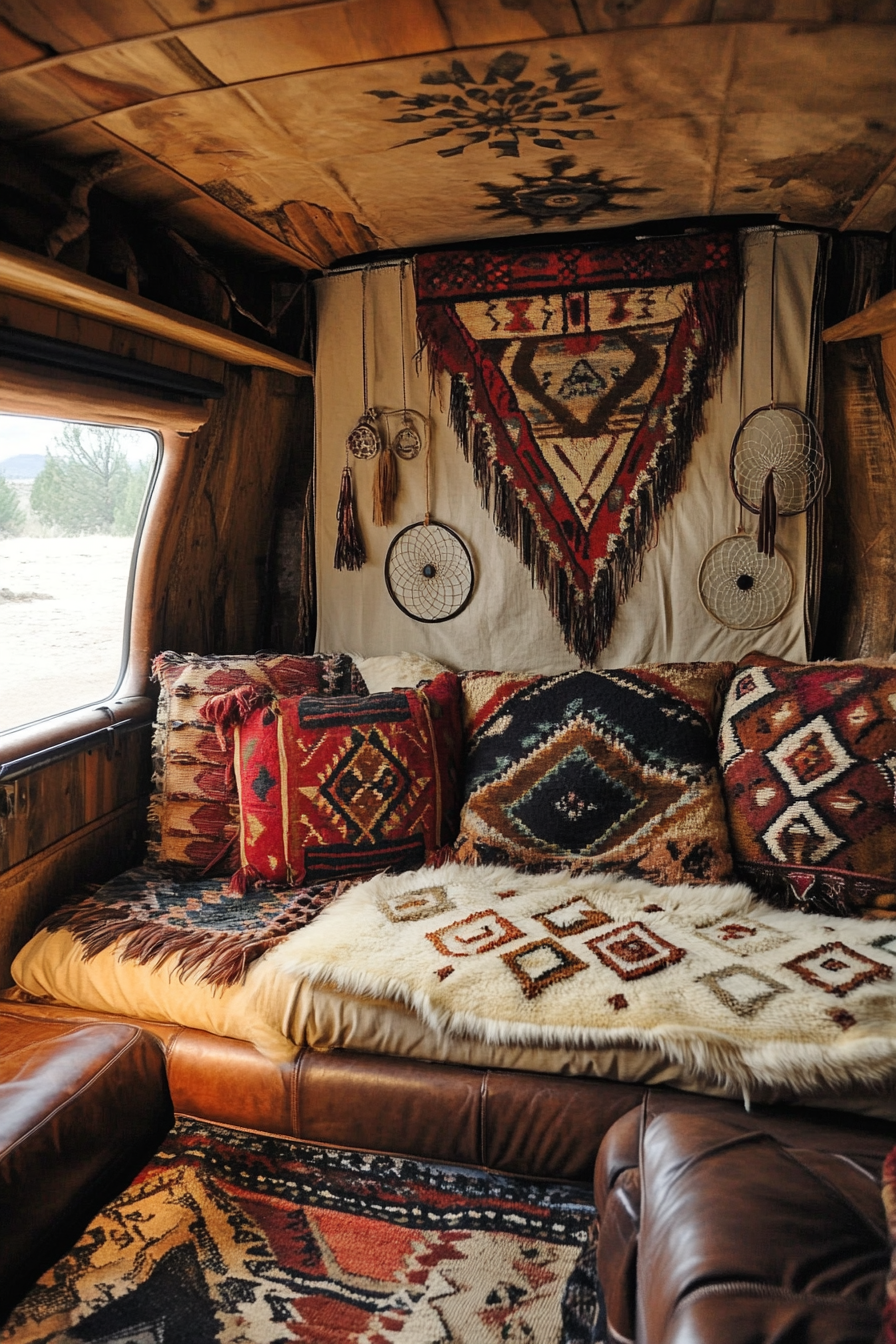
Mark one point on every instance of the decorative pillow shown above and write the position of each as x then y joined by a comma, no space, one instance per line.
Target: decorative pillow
338,788
194,809
598,770
808,755
888,1190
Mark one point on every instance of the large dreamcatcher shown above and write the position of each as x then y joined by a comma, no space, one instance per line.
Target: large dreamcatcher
777,457
429,570
743,588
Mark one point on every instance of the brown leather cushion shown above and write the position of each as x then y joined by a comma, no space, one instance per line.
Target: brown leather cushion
81,1108
744,1226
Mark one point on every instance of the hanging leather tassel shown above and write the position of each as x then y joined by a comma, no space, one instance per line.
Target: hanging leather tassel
385,488
306,612
768,517
350,553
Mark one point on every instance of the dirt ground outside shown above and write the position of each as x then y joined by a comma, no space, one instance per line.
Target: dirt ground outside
62,603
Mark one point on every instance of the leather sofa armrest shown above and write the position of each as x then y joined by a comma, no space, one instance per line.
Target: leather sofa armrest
617,1197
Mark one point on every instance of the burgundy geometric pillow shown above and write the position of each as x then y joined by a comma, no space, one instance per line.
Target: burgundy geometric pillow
808,755
347,786
194,809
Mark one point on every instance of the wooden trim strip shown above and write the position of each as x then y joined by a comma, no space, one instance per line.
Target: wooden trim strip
33,277
878,319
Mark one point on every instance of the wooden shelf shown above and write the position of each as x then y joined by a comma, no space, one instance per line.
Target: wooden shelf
32,277
878,319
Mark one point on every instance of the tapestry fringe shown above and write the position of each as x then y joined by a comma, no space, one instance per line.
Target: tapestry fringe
221,958
587,620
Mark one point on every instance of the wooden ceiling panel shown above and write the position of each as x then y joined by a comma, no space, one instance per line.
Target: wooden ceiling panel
180,13
480,22
804,11
16,50
326,35
69,25
811,171
602,15
787,70
878,209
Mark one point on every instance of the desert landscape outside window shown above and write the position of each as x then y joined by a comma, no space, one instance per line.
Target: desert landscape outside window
72,500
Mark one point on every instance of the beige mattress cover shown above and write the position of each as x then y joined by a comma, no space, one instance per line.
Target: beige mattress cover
280,1015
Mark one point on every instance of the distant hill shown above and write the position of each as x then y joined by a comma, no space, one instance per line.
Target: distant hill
22,467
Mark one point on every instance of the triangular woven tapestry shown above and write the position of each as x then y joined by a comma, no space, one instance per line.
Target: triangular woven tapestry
578,384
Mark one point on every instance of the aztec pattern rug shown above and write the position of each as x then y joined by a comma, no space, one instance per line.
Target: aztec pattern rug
579,379
228,1238
614,770
194,810
808,758
737,991
166,915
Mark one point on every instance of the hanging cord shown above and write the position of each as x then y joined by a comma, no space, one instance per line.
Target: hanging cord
428,513
768,505
385,480
743,398
404,377
364,338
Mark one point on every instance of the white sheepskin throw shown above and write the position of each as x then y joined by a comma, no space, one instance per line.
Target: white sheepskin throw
721,983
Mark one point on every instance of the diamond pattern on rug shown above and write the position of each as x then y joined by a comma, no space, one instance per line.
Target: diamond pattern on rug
809,768
229,1237
633,950
541,964
742,989
480,932
572,917
400,907
743,938
838,969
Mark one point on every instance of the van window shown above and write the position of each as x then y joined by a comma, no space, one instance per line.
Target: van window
72,500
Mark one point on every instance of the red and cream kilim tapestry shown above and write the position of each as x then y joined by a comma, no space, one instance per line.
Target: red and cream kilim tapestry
579,378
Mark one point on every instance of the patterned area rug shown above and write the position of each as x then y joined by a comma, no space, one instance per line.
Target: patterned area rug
733,989
164,913
579,380
249,1240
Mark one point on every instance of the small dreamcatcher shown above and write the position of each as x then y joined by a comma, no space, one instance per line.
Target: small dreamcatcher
363,443
429,570
742,587
777,457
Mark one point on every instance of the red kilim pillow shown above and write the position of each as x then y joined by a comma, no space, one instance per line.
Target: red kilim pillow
351,785
194,809
808,756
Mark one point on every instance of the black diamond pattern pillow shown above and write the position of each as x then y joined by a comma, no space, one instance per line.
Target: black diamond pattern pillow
609,770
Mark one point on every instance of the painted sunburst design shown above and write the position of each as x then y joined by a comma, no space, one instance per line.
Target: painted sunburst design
558,195
502,108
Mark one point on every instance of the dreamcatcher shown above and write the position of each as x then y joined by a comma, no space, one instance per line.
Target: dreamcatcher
777,458
405,429
742,587
429,571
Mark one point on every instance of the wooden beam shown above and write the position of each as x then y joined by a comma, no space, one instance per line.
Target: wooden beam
878,319
33,277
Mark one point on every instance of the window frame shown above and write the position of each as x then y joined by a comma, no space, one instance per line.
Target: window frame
46,392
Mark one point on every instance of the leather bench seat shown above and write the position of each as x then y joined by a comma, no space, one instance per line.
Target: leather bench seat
718,1224
82,1107
531,1124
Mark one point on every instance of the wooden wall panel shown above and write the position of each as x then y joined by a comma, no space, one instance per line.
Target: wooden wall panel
217,596
858,609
